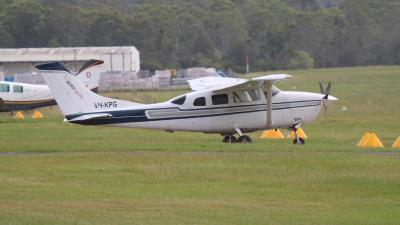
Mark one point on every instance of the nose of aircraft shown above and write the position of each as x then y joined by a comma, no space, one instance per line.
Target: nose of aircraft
332,98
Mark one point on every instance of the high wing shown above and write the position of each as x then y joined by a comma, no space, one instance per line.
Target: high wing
217,84
213,83
229,84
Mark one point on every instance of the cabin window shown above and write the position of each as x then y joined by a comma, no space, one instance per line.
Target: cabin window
4,88
18,89
220,99
246,96
200,101
180,100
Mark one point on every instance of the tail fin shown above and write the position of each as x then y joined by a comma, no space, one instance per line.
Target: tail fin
89,74
71,94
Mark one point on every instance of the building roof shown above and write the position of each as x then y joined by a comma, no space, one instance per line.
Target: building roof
61,54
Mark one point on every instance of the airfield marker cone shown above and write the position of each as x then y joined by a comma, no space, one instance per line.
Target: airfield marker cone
300,133
364,140
37,115
372,142
19,115
272,134
396,144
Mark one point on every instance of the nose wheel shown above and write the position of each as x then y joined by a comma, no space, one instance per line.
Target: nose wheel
299,141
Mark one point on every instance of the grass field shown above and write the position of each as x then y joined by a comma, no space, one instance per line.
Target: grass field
57,173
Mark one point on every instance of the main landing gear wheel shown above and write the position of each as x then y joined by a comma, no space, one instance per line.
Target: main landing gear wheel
244,139
229,139
301,141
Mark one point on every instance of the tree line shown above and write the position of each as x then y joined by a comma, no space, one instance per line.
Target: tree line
271,34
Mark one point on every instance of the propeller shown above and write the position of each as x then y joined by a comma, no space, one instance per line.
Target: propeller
326,92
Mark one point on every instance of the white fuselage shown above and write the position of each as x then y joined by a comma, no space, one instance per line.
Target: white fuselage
19,96
16,92
219,115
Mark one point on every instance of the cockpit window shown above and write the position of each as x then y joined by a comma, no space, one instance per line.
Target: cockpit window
18,89
4,88
246,96
180,100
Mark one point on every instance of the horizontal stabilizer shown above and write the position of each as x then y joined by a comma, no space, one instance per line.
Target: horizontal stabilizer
91,117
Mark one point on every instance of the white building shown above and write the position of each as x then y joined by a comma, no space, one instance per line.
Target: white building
24,60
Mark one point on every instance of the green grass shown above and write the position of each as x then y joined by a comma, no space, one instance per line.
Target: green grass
57,173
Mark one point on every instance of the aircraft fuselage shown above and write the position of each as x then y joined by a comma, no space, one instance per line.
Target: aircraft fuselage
210,112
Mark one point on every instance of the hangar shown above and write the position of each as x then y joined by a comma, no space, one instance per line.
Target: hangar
23,60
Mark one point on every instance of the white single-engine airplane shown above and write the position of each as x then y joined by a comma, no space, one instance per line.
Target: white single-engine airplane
16,96
226,106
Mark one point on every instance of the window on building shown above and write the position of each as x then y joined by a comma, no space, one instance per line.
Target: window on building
4,88
201,101
220,99
179,101
18,89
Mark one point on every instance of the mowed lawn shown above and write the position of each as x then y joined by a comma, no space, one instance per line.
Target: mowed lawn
52,172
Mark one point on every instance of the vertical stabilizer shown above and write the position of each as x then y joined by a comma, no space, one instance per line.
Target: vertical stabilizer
89,73
71,94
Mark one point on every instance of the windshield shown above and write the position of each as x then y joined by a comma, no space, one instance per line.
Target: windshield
275,91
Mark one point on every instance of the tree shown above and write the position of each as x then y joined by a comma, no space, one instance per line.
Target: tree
105,27
23,20
65,28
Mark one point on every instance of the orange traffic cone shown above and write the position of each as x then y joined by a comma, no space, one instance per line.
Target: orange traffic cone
272,134
37,115
396,144
371,141
19,115
364,140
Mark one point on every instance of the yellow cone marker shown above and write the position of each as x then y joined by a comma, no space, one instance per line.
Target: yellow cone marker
19,115
300,132
364,140
372,142
272,134
37,115
396,144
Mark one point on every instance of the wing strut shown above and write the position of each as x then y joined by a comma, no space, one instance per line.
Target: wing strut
269,104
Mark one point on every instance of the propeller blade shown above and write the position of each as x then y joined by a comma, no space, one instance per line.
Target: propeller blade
321,88
328,90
